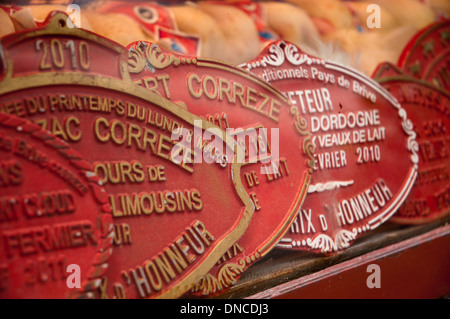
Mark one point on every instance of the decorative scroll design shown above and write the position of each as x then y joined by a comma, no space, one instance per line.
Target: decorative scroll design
150,56
325,243
296,58
136,60
276,58
408,127
301,125
281,51
344,237
328,186
228,276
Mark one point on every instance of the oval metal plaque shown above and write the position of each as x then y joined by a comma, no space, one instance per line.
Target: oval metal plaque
278,163
366,158
428,108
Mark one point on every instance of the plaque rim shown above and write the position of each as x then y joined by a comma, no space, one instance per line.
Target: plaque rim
274,55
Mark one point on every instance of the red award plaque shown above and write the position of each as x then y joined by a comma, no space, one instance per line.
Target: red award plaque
174,215
427,55
55,219
365,160
428,108
278,150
